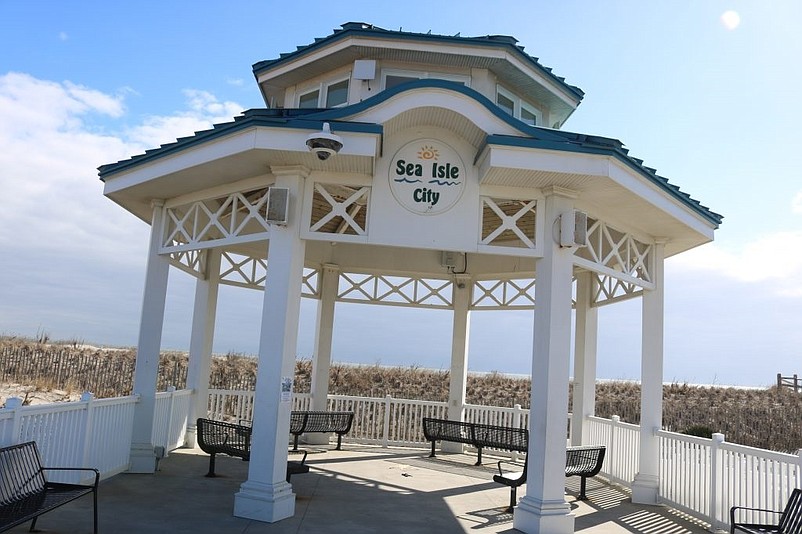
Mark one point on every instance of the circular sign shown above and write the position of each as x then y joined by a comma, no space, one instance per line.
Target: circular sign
427,177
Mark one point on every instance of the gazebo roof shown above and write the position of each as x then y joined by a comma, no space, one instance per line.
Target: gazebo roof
526,136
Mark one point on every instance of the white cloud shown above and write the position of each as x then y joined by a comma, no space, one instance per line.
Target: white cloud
53,201
775,259
204,110
796,203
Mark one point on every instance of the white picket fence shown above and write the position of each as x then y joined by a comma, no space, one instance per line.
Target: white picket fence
93,432
699,476
702,477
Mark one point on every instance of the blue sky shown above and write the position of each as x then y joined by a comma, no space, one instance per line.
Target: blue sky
710,102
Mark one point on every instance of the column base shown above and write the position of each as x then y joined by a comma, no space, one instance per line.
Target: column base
645,489
264,502
191,436
143,459
535,517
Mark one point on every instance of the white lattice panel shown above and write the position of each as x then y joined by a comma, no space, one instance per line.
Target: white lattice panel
395,290
616,254
607,289
242,271
339,209
233,218
191,261
501,294
509,223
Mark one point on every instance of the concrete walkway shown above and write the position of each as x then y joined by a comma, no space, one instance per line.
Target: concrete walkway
362,489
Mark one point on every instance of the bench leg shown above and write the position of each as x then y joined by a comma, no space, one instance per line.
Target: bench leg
582,496
211,466
94,497
513,499
339,442
432,454
479,457
33,524
295,442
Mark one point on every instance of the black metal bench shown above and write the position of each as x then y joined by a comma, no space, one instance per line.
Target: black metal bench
790,519
579,461
220,437
477,435
25,492
584,462
320,421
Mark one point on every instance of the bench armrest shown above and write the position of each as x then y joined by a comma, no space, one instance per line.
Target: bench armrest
516,465
92,469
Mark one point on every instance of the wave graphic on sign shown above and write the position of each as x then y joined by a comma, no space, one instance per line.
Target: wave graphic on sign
405,181
443,182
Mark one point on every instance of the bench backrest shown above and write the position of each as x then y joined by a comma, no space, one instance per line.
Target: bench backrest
791,521
320,421
223,437
502,437
439,429
21,473
585,460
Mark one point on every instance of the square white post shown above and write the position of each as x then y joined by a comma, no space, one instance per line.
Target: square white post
587,326
143,457
646,486
266,495
544,510
460,331
324,333
200,344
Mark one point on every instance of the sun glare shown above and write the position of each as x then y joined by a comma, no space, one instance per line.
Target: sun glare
731,19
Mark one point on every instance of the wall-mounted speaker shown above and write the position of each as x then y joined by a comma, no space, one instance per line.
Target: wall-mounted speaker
278,203
574,229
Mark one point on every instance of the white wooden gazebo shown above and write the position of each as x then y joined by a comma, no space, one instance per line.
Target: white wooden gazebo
409,169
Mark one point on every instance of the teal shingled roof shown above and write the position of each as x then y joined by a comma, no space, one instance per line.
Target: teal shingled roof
313,119
363,29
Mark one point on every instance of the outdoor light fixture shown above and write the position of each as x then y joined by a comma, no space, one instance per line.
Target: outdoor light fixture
324,143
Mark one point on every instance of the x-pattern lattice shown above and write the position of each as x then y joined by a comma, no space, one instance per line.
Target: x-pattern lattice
310,285
191,261
508,293
237,215
608,289
617,253
242,271
508,222
395,290
339,209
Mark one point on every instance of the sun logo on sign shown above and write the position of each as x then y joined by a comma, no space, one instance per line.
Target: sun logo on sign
427,152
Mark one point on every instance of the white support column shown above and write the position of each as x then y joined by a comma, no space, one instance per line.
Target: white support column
587,326
143,456
544,510
324,333
200,344
646,486
460,330
266,496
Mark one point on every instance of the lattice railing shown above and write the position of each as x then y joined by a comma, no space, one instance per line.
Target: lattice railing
607,289
506,293
191,261
234,218
242,271
616,254
395,290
